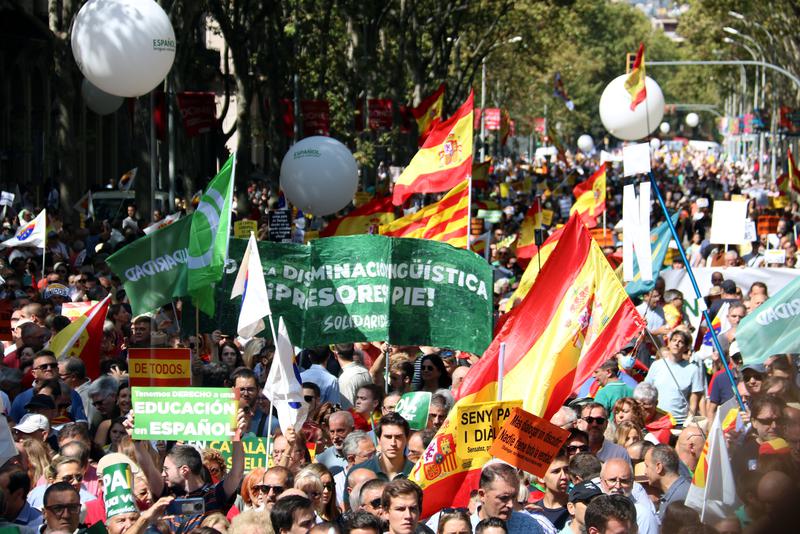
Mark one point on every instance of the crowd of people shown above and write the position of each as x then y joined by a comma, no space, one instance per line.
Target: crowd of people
636,428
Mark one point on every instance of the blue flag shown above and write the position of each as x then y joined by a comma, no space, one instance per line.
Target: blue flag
659,243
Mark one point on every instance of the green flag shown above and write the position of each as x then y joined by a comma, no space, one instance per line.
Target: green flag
773,327
153,268
659,243
414,408
208,238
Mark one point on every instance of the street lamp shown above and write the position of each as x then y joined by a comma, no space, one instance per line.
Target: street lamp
752,53
515,39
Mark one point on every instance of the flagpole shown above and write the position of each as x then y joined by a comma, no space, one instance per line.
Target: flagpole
698,296
44,244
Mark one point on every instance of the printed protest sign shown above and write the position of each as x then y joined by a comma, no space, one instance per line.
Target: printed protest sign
160,367
728,222
528,442
255,451
280,226
242,229
201,414
367,288
118,490
414,408
477,426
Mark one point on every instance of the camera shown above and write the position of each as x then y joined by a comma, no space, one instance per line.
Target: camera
193,506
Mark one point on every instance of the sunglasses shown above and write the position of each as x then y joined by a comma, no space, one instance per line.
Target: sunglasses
46,366
595,420
59,509
428,368
766,421
577,448
308,398
454,510
264,488
72,478
375,503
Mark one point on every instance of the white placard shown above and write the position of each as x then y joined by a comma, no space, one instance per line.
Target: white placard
750,234
6,198
636,232
773,240
728,222
775,256
636,159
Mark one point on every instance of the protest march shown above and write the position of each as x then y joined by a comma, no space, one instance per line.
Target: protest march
589,337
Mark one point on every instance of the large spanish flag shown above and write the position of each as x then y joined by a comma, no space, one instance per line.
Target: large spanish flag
446,221
429,113
590,197
444,160
374,213
526,244
635,83
575,317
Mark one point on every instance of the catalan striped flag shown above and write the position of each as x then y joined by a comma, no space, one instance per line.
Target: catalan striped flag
446,221
361,220
789,181
590,197
635,83
444,161
526,245
575,317
429,113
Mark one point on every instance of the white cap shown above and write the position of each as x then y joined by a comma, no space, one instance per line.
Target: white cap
32,422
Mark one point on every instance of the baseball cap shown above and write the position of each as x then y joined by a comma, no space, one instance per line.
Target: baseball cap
32,422
56,290
584,492
759,368
116,458
42,402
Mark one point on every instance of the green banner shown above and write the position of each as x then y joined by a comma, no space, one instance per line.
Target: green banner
118,490
255,451
367,288
153,268
773,327
199,414
414,408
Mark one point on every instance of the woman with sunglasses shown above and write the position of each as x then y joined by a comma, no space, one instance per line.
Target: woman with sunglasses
434,375
308,482
328,509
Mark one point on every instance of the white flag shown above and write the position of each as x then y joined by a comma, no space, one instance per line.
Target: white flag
284,389
713,489
32,234
163,223
251,286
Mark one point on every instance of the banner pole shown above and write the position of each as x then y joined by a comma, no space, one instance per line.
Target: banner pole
501,363
386,355
689,271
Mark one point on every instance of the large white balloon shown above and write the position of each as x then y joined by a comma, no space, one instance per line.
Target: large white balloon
585,143
616,114
99,101
692,120
664,128
319,175
124,47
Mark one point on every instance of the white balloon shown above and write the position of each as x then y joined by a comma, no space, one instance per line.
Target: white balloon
124,47
585,143
319,175
692,120
99,101
616,114
664,127
655,143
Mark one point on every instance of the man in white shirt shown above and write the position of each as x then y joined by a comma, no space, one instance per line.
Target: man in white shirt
353,375
616,478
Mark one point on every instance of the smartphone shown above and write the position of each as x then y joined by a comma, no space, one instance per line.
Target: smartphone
193,506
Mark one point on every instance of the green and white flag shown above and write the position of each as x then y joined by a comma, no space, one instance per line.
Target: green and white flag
153,268
208,238
773,327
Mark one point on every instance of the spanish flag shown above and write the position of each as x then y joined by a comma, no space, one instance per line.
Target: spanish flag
446,221
444,160
590,197
575,317
635,82
82,338
429,113
532,269
526,245
371,215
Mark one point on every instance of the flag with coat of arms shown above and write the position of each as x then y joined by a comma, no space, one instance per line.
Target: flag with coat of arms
31,234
